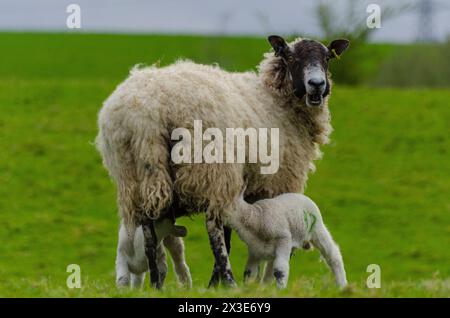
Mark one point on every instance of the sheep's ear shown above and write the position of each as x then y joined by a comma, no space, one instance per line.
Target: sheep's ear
337,47
279,45
179,231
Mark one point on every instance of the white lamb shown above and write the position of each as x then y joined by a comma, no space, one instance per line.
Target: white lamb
273,228
131,259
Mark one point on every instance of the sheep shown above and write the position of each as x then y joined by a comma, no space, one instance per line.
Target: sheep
274,228
132,263
289,91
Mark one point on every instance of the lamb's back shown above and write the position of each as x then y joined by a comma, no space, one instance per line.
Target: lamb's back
286,212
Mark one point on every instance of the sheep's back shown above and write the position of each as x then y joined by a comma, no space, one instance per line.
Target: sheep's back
157,100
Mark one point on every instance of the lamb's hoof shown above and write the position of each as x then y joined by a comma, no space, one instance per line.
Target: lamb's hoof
186,282
185,278
123,281
280,279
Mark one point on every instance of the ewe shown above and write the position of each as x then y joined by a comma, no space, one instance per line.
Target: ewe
274,228
290,91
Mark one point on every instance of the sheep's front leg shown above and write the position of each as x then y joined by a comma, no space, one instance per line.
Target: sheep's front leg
215,230
215,276
281,262
251,268
151,245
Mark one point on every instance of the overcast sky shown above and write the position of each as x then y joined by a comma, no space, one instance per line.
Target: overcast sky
254,17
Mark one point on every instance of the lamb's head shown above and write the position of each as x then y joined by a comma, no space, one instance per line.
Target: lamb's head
305,66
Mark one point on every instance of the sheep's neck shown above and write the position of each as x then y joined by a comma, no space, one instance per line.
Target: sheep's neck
317,122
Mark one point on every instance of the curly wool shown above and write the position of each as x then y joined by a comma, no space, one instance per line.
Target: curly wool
136,121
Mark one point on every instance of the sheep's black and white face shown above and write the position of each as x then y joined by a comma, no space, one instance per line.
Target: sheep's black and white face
307,63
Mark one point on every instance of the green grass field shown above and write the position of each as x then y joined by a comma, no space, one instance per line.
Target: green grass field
383,184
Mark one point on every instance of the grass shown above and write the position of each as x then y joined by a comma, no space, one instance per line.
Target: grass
301,288
382,184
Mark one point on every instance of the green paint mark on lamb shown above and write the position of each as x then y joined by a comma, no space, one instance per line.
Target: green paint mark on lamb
305,219
314,219
310,220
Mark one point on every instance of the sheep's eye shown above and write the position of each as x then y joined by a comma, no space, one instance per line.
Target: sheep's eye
291,59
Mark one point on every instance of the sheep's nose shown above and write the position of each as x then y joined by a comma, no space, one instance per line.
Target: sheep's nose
316,83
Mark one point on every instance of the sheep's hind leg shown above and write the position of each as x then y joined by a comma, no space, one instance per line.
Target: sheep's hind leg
215,230
151,243
323,241
215,276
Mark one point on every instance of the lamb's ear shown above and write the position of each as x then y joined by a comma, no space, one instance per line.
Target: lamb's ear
337,47
279,45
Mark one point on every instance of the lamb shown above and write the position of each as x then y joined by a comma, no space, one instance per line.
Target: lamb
290,91
131,260
274,228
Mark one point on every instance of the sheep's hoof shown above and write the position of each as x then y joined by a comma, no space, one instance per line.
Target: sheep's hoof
228,280
231,284
156,285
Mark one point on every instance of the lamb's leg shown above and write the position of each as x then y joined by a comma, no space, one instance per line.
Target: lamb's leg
322,240
215,276
122,270
281,262
215,230
251,268
176,249
151,245
137,280
268,273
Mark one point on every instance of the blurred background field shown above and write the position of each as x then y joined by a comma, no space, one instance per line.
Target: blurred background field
382,185
110,56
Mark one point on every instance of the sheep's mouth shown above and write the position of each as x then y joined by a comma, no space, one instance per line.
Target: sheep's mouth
314,100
